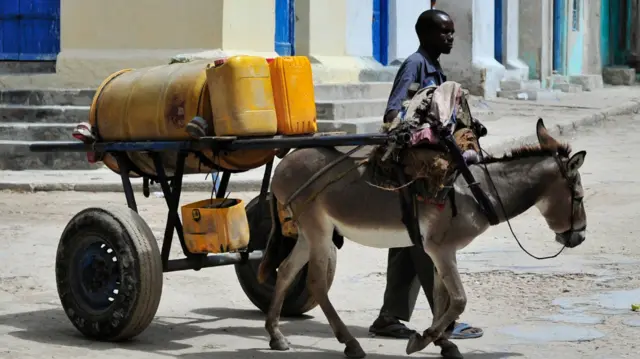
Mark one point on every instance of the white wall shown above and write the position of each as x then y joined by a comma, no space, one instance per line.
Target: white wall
511,40
359,36
402,20
471,62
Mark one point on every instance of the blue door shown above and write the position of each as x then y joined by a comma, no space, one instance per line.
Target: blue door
497,31
559,36
29,30
380,31
285,27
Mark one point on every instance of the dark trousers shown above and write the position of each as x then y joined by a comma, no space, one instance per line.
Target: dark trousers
408,269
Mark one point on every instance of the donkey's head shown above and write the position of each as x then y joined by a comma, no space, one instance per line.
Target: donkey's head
561,204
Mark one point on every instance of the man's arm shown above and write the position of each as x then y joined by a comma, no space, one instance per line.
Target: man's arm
407,74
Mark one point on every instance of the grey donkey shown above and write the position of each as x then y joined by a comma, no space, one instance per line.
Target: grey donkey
544,175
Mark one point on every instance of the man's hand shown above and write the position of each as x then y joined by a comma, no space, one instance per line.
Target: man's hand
390,116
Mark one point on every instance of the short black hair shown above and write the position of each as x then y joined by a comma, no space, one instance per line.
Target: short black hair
428,20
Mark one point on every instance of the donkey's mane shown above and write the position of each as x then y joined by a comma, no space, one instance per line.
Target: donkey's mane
526,151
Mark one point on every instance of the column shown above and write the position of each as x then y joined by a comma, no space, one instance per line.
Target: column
536,38
403,40
511,39
328,33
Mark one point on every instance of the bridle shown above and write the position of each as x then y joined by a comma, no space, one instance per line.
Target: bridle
575,200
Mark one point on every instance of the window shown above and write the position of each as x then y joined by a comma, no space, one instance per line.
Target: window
575,15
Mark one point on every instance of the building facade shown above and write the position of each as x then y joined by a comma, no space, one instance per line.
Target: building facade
346,40
562,37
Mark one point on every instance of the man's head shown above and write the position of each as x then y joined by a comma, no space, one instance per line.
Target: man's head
435,31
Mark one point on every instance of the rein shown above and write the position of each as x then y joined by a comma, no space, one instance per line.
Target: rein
573,200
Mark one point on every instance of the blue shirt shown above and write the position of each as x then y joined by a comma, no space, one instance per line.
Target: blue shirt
416,68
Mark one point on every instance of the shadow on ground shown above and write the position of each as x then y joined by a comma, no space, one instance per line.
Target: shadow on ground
51,326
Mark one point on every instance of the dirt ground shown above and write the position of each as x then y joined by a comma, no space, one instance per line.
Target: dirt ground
577,305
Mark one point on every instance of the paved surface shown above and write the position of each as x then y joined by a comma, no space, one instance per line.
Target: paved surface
574,306
508,121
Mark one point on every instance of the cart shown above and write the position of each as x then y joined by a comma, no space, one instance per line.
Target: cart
109,267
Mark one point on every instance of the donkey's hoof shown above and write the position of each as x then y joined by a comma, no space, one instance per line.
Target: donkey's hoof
451,351
415,344
279,344
354,350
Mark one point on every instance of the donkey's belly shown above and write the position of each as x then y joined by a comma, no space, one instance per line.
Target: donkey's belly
379,237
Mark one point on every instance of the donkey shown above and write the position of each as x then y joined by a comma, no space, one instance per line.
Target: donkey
542,175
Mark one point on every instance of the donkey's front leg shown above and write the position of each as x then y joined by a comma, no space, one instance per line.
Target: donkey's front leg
445,262
448,349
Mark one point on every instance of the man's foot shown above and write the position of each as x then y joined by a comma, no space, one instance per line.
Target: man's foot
390,327
465,331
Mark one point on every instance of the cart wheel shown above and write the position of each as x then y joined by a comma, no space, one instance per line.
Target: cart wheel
299,299
109,273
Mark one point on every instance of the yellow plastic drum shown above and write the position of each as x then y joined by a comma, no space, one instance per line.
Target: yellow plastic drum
156,103
211,228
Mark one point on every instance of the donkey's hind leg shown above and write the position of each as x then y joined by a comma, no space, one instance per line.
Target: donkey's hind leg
287,272
322,249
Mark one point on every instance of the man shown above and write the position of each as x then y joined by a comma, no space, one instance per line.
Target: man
409,268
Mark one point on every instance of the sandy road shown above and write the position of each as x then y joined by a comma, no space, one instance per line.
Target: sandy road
574,306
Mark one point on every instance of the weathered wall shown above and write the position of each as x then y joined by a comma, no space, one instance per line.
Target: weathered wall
402,34
536,37
472,60
100,37
358,27
593,61
511,40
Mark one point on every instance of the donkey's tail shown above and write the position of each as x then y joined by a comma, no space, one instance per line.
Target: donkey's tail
267,264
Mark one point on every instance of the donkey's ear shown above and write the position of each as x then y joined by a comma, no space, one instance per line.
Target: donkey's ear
544,137
575,162
541,131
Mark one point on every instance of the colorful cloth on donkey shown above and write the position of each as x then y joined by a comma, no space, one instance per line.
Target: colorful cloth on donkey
431,111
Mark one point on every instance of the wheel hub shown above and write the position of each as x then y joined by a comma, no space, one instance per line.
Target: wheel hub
99,275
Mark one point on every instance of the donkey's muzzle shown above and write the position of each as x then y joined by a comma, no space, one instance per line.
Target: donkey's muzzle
571,238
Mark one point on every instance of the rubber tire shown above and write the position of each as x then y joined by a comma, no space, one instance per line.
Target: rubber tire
141,279
298,300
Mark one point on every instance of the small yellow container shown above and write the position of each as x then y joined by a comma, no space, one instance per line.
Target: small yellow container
293,92
209,229
242,97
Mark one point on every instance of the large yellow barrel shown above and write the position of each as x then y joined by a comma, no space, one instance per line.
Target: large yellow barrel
156,103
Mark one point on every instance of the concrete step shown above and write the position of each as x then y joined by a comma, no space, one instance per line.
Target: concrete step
531,95
514,85
515,75
43,114
16,156
36,131
27,67
354,91
47,97
619,75
568,88
345,109
352,126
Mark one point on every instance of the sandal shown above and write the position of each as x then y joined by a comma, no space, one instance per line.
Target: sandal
465,331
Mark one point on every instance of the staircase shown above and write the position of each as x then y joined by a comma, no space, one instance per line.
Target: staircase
41,115
515,86
51,115
353,108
